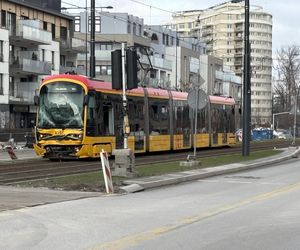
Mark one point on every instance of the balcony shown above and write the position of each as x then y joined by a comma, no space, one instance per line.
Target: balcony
25,93
153,82
101,55
77,70
28,33
22,65
73,45
207,32
219,75
157,62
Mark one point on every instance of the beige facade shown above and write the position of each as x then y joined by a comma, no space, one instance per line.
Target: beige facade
221,28
34,42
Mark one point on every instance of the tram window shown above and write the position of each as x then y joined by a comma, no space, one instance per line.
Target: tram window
202,121
159,117
108,119
91,122
136,114
186,125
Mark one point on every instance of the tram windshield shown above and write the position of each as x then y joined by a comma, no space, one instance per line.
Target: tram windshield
61,106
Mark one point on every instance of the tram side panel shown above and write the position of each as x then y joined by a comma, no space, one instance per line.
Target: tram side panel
182,125
159,124
222,124
202,128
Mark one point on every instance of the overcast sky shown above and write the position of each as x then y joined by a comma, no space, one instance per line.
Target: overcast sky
286,13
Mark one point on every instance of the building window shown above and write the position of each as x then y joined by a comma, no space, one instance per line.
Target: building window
45,25
1,84
24,17
11,86
77,23
52,59
53,31
98,24
129,27
11,22
43,55
134,29
1,51
140,30
63,33
3,18
103,70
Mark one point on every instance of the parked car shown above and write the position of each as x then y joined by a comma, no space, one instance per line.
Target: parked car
282,134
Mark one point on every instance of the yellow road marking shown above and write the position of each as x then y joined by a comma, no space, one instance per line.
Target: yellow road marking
133,240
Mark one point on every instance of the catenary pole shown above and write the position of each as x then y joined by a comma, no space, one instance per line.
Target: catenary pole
247,86
92,56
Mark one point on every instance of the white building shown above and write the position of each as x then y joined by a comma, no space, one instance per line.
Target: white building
221,27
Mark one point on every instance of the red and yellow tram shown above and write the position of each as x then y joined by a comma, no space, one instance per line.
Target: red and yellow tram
78,117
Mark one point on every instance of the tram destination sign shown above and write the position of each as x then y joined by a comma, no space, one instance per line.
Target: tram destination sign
201,96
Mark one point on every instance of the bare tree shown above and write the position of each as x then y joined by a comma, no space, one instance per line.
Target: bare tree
288,75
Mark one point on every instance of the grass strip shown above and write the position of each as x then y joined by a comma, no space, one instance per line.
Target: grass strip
94,181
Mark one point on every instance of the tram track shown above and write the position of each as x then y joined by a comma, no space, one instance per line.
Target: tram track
19,171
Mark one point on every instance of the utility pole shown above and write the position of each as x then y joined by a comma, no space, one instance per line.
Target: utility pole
247,86
124,98
86,36
92,56
295,116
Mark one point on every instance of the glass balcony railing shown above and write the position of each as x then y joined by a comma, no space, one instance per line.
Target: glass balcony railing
77,70
219,75
30,66
75,44
78,44
157,62
25,92
153,82
29,30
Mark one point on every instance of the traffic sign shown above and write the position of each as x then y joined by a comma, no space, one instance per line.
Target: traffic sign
201,96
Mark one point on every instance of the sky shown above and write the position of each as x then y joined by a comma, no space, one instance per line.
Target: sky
286,13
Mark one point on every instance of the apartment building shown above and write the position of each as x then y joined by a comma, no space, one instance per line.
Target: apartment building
34,35
160,43
111,29
221,28
181,53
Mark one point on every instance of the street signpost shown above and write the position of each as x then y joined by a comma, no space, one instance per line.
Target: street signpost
197,99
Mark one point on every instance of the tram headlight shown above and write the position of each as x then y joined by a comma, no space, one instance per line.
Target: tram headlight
76,149
76,136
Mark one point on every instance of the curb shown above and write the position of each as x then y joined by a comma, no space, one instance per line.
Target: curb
190,175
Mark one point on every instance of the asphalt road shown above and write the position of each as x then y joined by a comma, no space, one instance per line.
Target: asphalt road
258,209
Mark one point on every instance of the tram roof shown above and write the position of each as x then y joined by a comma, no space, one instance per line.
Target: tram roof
152,92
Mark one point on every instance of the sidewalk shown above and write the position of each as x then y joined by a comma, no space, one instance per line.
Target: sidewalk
14,197
140,184
22,154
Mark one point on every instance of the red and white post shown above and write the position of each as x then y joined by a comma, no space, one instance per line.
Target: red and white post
106,172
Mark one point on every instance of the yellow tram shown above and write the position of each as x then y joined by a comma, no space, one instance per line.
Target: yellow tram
78,117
